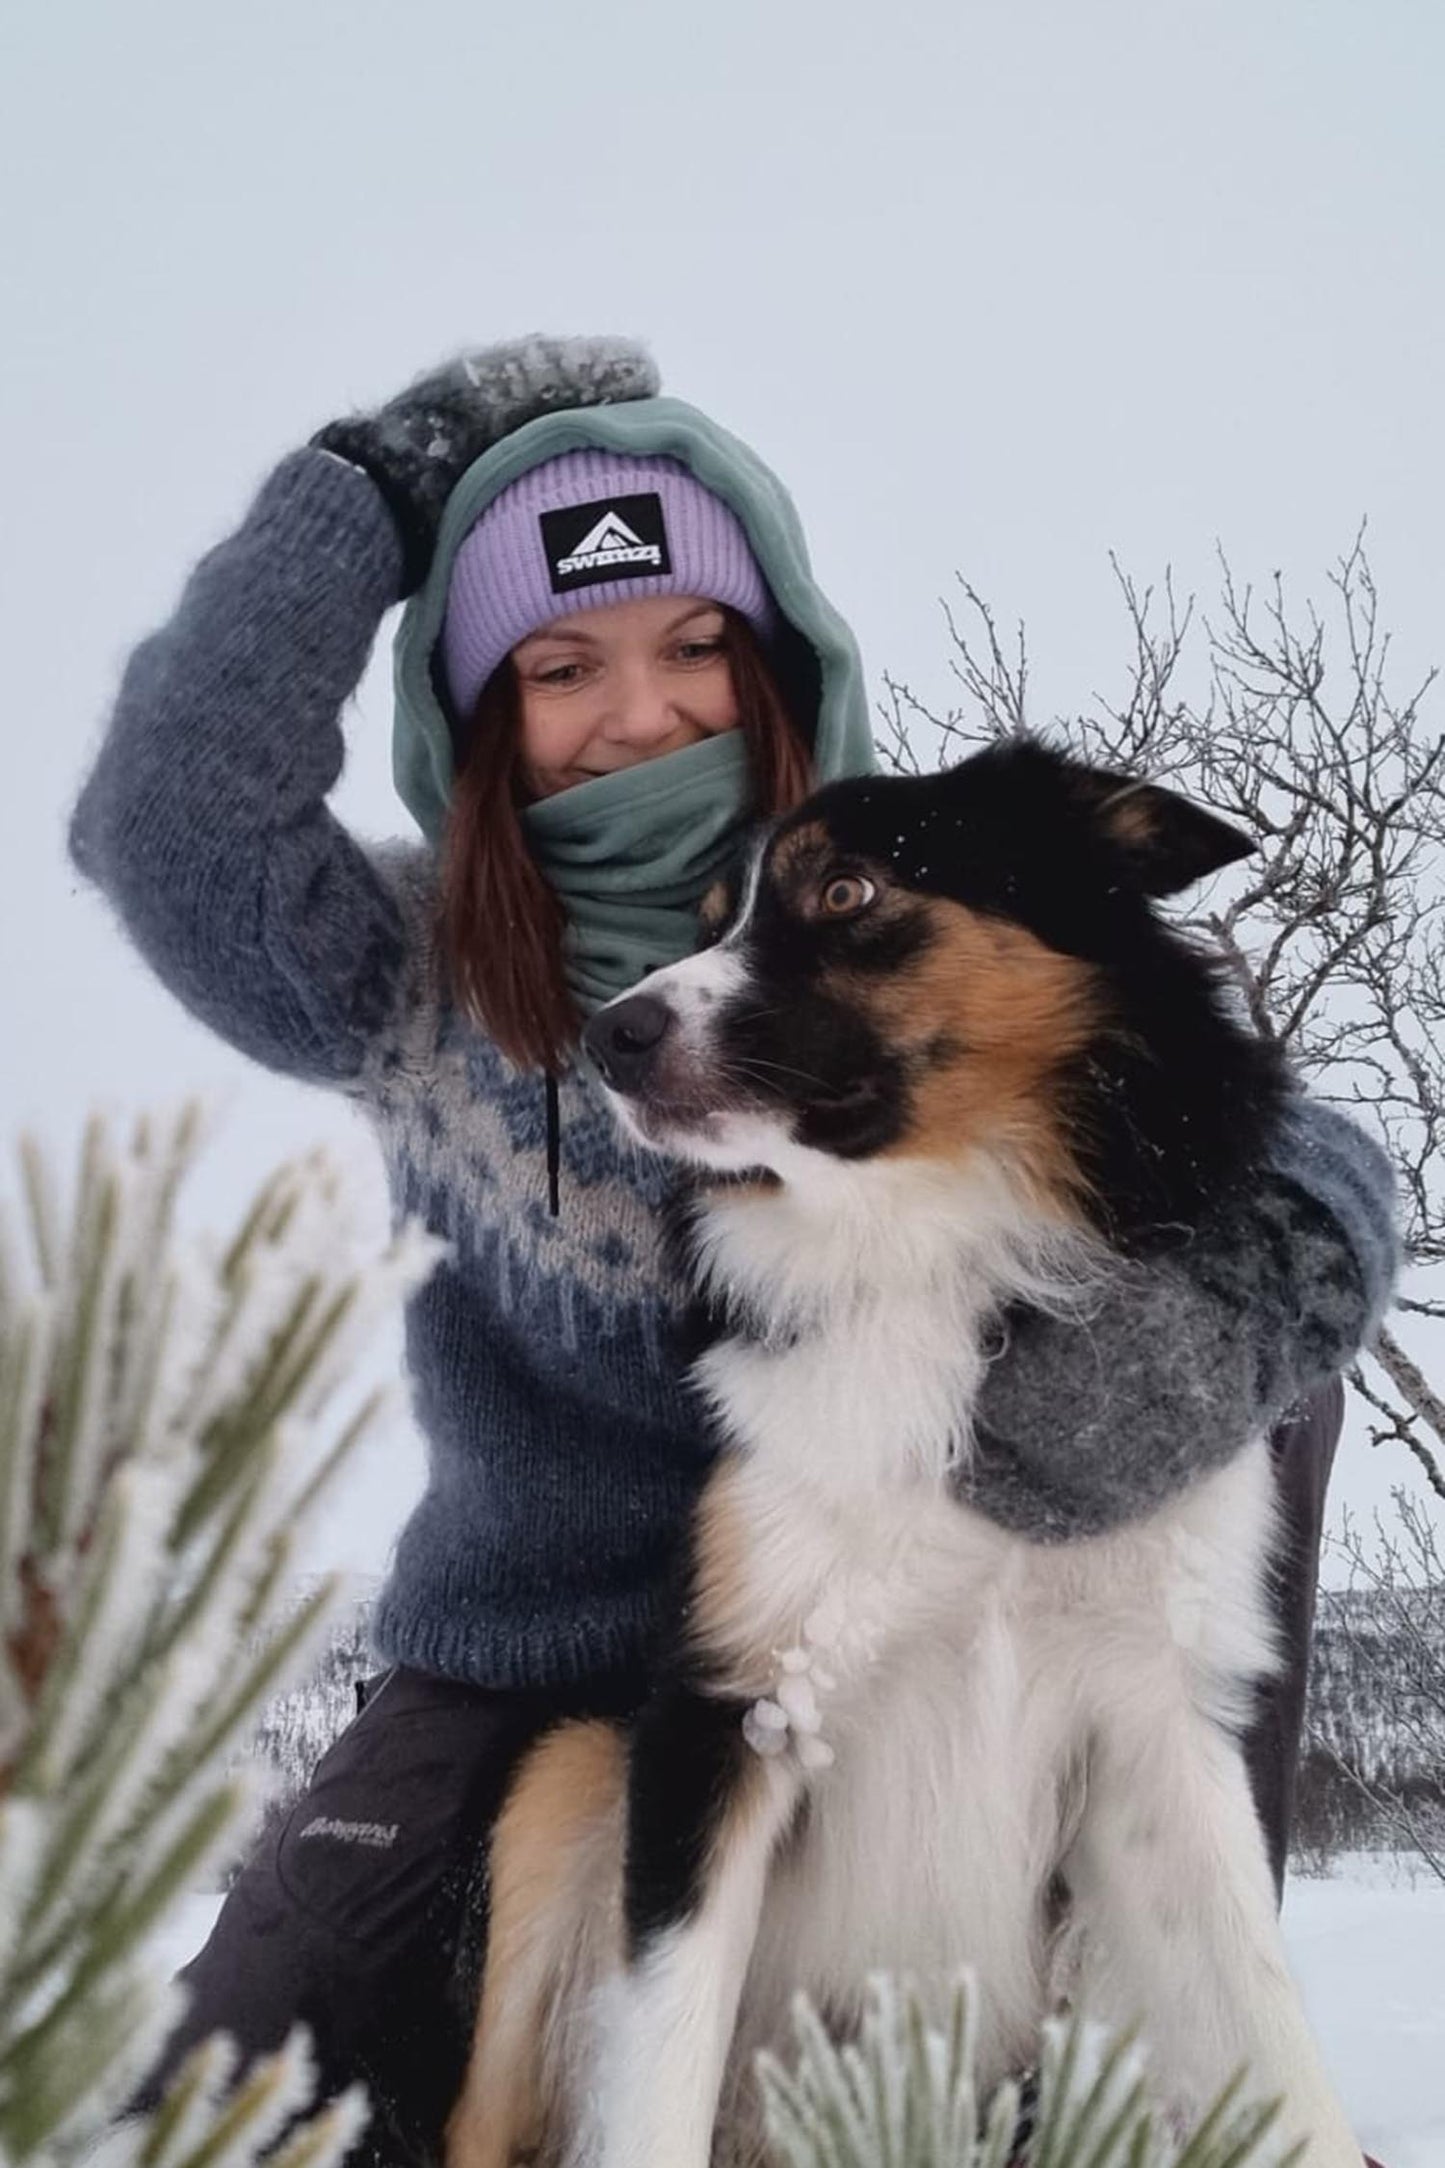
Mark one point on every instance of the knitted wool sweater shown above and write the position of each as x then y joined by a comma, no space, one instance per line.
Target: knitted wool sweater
564,1447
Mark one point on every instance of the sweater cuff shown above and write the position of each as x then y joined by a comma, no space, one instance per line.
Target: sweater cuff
332,510
1337,1164
351,444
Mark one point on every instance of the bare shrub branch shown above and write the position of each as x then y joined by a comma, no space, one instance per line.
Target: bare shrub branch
1376,1716
1289,724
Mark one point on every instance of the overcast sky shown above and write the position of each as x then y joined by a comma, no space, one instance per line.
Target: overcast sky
996,287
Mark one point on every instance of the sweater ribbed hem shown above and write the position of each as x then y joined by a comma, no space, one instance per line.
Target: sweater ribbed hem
507,1657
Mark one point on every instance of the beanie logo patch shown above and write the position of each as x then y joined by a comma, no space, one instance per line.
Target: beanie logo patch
622,539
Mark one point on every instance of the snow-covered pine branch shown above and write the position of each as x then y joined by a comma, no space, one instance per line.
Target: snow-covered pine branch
169,1417
904,2096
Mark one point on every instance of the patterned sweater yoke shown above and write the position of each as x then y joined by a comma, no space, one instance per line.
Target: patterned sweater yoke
564,1449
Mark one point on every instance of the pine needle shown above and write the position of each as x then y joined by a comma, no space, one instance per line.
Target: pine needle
905,2096
165,1424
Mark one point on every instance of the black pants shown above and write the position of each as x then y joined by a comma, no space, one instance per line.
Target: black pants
354,1913
1304,1453
363,1913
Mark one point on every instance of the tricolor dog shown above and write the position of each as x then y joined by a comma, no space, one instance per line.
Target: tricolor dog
943,1057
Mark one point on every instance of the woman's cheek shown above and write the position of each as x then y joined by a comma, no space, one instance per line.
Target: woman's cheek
550,743
718,710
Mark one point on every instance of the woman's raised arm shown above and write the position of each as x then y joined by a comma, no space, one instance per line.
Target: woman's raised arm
204,819
1089,1422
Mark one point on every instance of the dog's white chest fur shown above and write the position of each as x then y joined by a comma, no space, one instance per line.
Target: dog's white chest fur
955,1676
961,1701
972,1749
866,1369
882,1397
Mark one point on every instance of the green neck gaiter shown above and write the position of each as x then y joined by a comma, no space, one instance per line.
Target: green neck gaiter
633,854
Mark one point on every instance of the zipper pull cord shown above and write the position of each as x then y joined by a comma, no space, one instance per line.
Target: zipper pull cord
554,1147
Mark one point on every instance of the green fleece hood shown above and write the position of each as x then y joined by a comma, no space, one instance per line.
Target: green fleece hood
632,854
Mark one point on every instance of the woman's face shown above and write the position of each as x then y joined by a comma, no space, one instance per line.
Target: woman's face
612,687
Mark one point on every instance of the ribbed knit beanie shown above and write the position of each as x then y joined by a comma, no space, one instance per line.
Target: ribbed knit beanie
580,531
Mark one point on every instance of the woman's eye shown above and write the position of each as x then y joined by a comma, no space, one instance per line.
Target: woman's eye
562,673
845,895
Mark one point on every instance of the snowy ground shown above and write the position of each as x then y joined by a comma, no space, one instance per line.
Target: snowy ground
1369,1952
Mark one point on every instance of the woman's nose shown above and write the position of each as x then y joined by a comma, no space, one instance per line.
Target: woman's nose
643,711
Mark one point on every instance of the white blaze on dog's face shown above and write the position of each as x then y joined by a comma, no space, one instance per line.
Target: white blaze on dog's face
915,968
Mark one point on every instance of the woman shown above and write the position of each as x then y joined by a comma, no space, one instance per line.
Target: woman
613,656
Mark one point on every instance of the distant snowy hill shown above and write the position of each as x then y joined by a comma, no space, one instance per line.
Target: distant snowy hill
1373,1772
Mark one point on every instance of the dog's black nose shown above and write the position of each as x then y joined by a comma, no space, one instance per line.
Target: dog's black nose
623,1037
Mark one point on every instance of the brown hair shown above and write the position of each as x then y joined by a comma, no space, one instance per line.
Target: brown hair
500,923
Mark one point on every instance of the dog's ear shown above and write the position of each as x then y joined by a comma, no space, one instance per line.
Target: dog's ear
715,910
1166,841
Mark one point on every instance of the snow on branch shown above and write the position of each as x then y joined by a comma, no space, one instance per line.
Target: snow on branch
169,1419
905,2095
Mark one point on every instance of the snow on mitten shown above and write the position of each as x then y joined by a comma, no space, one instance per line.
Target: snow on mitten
417,447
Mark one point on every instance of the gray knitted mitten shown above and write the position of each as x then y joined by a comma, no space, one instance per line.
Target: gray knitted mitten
417,446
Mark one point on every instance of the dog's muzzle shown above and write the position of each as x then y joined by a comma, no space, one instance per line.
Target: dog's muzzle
624,1039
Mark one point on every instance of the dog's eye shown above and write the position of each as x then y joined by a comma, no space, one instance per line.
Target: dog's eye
845,895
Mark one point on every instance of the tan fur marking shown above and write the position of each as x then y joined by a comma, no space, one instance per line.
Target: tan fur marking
554,1924
794,851
715,909
1132,818
726,1619
1017,1010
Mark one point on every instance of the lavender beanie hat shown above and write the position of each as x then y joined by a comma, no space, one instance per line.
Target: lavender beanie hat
580,531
